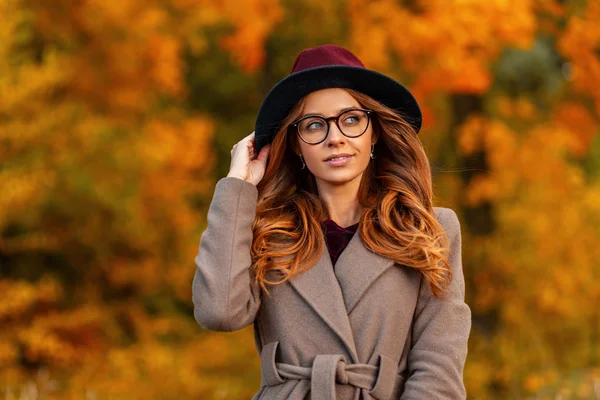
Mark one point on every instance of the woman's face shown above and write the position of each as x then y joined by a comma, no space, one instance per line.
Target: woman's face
329,103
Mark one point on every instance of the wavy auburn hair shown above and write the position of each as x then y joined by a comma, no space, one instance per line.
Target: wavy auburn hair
397,220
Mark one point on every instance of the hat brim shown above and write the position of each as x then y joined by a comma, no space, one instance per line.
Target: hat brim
287,92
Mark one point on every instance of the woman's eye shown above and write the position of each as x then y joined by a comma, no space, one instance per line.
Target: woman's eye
314,125
352,119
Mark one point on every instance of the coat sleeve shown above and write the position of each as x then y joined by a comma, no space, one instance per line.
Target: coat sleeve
223,292
440,332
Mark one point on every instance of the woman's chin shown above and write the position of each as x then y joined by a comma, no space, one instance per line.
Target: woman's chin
338,178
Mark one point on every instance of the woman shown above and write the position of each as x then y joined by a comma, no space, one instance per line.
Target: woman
335,163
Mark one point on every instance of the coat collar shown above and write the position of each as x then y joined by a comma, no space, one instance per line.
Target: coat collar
333,294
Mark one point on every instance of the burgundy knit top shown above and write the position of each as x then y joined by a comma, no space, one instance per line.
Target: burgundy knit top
337,238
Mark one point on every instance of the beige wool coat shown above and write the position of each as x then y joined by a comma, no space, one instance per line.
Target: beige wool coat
368,329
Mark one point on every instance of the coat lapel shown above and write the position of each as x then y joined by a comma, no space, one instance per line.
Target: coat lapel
334,294
320,288
356,269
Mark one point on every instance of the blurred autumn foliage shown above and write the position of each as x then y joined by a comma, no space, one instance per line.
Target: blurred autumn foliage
116,120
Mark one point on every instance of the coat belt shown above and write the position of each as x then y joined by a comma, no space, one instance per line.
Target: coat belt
329,369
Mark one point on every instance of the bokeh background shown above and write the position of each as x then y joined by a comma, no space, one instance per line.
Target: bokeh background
116,121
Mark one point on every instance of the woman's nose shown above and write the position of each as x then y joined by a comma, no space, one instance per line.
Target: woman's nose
335,135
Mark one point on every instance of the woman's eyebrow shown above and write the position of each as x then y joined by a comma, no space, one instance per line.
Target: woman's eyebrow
339,111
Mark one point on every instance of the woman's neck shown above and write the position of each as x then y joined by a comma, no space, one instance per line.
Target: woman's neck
342,202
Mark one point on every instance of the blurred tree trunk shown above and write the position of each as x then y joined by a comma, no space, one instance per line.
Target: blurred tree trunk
478,219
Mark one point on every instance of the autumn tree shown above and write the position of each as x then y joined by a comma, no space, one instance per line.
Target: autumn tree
105,168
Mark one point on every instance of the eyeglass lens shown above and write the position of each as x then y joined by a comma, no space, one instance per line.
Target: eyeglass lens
352,123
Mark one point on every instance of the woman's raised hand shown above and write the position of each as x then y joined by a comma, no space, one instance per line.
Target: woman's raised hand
245,164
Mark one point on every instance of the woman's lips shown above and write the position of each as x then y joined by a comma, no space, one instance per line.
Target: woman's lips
338,162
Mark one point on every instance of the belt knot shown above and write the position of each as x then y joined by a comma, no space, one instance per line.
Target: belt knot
329,369
340,372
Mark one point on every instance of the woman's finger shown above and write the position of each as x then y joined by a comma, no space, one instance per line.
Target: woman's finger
264,153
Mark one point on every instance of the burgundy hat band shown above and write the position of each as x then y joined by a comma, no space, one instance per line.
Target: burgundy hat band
325,55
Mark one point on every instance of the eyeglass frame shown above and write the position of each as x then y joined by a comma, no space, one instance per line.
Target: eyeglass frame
336,119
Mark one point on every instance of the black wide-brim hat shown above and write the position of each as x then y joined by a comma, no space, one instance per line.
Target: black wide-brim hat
330,66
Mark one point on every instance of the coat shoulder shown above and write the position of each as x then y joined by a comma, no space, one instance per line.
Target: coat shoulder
448,219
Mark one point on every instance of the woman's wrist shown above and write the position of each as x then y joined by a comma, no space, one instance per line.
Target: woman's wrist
239,177
234,175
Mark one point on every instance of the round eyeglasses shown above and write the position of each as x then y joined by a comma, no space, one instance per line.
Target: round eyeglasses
314,129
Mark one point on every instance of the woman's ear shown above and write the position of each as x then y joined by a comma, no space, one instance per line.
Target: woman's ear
375,138
374,133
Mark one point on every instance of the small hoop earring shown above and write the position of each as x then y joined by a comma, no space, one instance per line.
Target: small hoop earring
301,159
373,151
